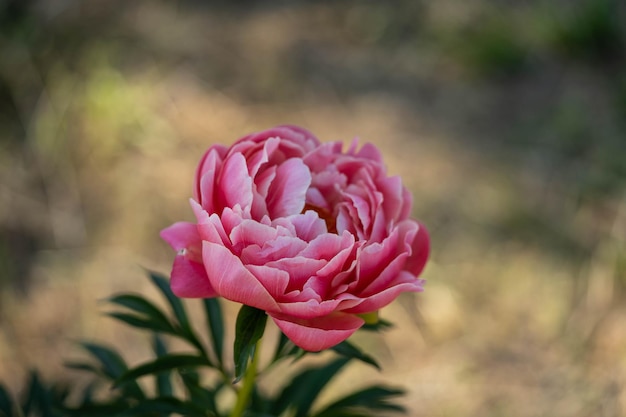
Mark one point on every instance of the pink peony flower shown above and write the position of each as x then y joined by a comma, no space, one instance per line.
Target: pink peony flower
314,236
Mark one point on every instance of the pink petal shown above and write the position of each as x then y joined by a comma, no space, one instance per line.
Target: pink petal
279,249
314,197
308,225
235,184
274,280
391,256
392,191
386,277
408,282
232,280
407,204
209,162
300,269
261,156
189,279
287,193
209,227
420,251
373,258
181,235
251,232
369,151
207,192
327,246
320,333
309,309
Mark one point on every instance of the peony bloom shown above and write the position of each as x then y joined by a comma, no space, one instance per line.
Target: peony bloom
314,236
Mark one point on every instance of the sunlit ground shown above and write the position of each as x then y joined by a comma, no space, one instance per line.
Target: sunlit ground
507,128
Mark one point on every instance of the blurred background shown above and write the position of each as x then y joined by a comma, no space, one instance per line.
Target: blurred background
506,119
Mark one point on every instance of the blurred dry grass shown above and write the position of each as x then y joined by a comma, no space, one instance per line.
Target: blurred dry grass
507,123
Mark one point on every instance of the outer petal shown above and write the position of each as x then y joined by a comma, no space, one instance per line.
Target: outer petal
420,251
189,279
380,300
181,235
320,333
232,280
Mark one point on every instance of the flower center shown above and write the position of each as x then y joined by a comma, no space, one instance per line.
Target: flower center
331,222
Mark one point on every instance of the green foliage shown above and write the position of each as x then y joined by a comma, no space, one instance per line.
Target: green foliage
305,387
364,403
493,48
180,379
249,330
590,29
39,400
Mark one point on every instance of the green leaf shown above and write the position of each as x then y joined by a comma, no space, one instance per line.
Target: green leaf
142,306
30,401
6,404
215,322
168,405
361,403
142,322
81,366
197,394
112,363
88,394
248,331
164,363
163,383
302,391
346,348
285,348
38,398
113,366
114,409
179,311
176,304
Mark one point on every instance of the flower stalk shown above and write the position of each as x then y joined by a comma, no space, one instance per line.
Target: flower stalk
249,379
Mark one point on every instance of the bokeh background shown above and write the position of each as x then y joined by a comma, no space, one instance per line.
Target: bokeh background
506,119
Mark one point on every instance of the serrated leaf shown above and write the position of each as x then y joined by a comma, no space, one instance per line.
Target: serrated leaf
372,399
6,403
248,331
142,306
164,363
215,322
346,348
303,390
163,382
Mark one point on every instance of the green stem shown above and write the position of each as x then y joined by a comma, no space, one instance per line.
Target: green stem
249,379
